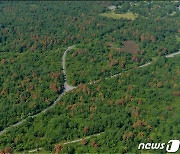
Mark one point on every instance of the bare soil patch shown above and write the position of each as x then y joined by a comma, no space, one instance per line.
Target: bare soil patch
130,46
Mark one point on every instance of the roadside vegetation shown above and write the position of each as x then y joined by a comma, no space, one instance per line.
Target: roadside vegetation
97,60
140,105
131,108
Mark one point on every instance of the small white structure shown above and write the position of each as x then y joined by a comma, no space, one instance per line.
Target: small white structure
112,7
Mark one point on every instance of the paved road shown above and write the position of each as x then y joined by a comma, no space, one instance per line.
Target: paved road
66,89
93,82
144,65
66,85
172,54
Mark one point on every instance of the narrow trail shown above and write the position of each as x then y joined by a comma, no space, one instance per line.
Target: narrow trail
69,142
68,87
78,140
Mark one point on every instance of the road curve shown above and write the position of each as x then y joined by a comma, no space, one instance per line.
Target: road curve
66,89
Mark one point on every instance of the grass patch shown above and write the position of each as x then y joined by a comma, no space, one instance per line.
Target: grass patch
128,15
178,39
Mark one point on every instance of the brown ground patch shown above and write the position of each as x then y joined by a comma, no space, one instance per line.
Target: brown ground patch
130,46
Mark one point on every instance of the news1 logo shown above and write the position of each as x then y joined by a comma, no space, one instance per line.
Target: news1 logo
171,146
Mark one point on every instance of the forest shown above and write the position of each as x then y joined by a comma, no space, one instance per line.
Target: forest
132,108
29,82
110,114
44,25
125,44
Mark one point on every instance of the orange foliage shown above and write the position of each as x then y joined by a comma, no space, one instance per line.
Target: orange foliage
84,142
141,134
176,93
124,136
58,148
1,151
145,37
131,134
4,91
130,46
94,144
113,63
92,108
159,84
135,58
54,75
86,129
138,123
84,88
53,87
140,101
120,102
7,150
3,61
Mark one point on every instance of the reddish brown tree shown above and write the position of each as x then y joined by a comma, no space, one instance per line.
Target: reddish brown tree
7,150
58,148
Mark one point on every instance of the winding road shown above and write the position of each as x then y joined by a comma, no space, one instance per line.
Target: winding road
66,85
68,88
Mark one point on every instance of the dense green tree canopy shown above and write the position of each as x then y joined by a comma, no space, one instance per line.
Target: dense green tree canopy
140,104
